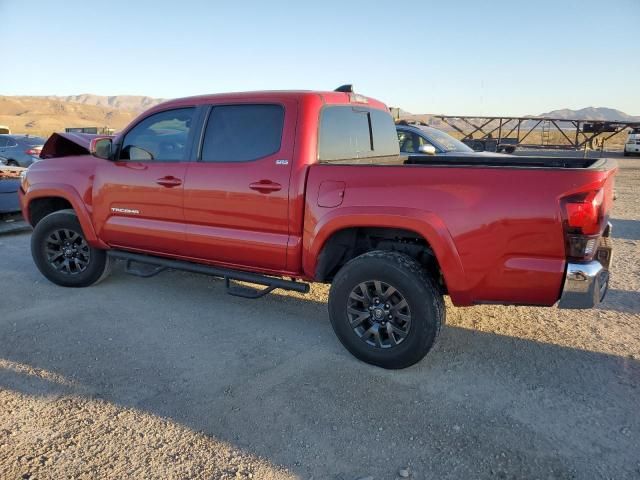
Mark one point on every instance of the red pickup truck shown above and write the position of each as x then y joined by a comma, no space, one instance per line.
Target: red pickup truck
281,188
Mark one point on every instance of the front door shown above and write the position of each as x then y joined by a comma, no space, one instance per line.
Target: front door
237,194
138,197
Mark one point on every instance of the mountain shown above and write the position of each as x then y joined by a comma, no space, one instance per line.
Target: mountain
591,113
43,116
136,103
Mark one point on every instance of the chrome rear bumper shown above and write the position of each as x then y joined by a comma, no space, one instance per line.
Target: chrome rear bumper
586,284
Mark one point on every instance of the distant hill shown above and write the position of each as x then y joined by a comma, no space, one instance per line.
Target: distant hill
592,113
588,113
43,116
134,103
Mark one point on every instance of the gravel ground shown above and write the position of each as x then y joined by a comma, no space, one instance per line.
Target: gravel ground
171,378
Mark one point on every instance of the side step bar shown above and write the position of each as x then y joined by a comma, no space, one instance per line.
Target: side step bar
161,264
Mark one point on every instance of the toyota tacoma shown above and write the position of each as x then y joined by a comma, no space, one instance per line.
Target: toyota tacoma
277,189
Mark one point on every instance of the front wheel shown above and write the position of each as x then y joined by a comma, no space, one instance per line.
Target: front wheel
63,255
385,309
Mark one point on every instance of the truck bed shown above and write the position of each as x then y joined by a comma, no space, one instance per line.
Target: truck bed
495,224
520,161
499,160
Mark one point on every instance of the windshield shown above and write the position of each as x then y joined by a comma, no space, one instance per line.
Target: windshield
445,141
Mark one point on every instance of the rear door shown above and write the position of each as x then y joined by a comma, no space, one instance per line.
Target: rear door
138,197
236,194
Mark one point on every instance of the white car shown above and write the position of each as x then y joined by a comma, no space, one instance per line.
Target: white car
632,145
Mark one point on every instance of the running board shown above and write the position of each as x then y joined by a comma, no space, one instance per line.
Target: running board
160,264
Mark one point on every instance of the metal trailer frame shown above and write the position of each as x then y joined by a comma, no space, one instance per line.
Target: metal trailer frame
578,133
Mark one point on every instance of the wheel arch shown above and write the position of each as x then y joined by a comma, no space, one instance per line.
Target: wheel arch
44,200
400,229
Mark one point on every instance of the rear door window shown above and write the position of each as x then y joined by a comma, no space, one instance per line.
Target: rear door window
242,133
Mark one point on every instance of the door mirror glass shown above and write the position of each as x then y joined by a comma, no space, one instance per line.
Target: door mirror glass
427,149
101,147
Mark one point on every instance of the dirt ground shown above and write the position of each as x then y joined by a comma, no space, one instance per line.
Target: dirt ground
171,378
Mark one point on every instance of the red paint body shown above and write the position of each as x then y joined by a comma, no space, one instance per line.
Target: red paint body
496,231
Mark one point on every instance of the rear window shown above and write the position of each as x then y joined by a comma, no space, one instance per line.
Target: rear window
241,133
34,140
350,133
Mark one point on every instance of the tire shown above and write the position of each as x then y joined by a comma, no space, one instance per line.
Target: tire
510,150
403,343
12,163
59,234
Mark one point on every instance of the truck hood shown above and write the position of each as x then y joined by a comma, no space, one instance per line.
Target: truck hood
67,144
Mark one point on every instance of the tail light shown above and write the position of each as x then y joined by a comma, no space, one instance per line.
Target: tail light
583,221
33,151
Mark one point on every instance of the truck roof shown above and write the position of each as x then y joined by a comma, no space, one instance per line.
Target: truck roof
330,97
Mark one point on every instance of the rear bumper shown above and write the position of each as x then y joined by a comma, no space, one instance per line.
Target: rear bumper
586,284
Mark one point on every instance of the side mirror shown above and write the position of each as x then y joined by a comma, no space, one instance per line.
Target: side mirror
101,147
427,149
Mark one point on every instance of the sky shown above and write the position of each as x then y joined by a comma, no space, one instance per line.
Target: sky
450,57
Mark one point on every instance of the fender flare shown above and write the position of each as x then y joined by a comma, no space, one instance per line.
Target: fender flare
69,194
425,223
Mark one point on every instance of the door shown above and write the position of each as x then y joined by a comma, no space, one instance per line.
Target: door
138,197
3,145
8,149
236,195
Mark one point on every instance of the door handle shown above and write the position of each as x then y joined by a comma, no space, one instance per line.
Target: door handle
265,186
169,181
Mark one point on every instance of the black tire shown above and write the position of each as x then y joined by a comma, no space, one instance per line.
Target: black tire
411,282
85,265
12,163
510,149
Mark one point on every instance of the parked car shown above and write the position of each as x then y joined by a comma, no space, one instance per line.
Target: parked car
20,150
632,145
9,186
419,141
310,186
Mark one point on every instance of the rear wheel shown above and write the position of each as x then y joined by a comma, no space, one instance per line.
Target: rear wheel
385,309
12,163
62,254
